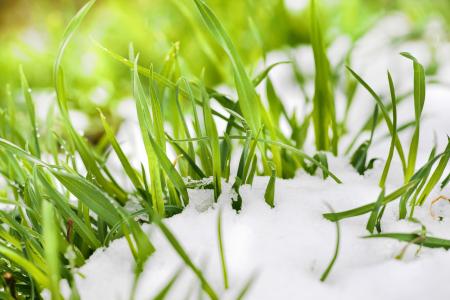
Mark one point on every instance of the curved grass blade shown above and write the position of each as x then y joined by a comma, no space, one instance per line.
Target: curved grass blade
336,250
162,294
385,114
419,101
36,150
90,195
394,133
248,100
221,250
425,241
131,172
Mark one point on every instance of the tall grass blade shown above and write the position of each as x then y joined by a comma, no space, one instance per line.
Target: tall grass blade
248,100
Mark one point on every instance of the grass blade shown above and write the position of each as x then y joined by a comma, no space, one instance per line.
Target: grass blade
51,247
336,251
248,100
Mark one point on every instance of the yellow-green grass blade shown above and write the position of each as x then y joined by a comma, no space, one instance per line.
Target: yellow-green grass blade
36,149
419,101
51,248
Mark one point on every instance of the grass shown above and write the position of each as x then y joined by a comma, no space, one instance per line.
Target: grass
179,115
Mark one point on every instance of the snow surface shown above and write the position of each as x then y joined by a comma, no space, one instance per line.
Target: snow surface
288,247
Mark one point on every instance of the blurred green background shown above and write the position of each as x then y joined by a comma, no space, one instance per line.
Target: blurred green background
30,32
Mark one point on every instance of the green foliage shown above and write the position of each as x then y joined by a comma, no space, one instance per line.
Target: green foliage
66,200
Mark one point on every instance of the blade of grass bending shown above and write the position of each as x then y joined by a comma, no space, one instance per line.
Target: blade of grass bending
51,248
131,172
394,133
185,257
248,100
68,34
36,150
415,179
162,80
419,101
66,210
84,150
385,114
221,250
246,288
324,114
336,250
264,73
427,241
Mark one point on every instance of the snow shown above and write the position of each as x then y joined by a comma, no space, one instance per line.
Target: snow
288,247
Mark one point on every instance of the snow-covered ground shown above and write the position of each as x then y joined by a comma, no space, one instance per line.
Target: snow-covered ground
288,247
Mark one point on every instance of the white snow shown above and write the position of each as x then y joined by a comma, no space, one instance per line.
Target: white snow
289,247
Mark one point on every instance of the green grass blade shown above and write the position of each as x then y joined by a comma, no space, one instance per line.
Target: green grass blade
90,195
74,23
36,149
385,114
419,101
324,115
221,250
425,241
269,194
145,124
374,214
394,137
162,294
51,248
131,172
64,208
38,275
246,288
211,132
248,100
336,251
170,170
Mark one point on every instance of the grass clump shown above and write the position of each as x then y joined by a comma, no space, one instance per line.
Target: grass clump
67,202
